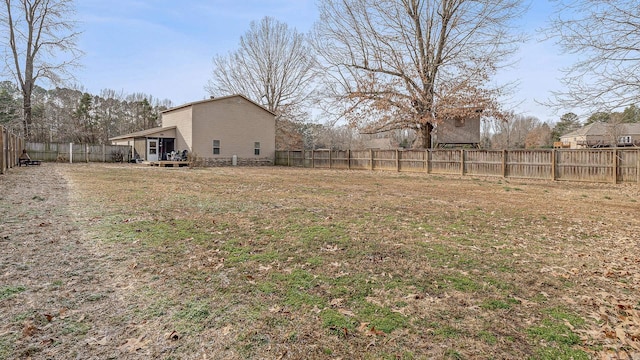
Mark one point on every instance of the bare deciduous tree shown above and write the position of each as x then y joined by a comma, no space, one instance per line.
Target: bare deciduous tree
407,64
273,66
606,36
514,131
37,33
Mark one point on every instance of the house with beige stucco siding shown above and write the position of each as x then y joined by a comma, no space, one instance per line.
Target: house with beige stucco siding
600,134
217,131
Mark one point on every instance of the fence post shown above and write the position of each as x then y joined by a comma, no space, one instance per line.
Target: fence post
462,162
349,159
313,160
638,167
70,153
505,153
427,160
3,156
104,153
371,159
554,159
330,159
615,166
86,152
397,160
2,152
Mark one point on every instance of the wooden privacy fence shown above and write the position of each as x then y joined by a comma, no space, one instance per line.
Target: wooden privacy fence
69,152
11,146
610,165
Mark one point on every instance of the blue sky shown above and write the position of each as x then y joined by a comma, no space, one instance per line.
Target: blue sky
164,48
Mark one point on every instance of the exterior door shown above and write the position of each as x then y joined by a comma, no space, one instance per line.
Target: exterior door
152,149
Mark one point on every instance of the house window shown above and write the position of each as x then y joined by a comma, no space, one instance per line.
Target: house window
216,147
256,148
624,140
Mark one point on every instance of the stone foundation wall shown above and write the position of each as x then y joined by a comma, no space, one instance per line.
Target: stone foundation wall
218,162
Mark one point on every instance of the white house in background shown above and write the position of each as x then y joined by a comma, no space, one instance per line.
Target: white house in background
600,134
216,130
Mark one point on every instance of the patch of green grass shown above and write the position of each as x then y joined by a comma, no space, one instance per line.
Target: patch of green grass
57,284
355,287
298,278
320,234
461,283
488,337
236,252
445,331
336,322
299,298
158,308
560,353
192,316
266,257
539,298
9,291
95,297
22,316
453,354
315,261
439,254
153,233
6,346
554,331
500,284
76,328
562,313
382,318
267,287
495,305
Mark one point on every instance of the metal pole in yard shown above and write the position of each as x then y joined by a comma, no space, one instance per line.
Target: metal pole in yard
554,156
70,153
615,166
638,167
504,163
462,162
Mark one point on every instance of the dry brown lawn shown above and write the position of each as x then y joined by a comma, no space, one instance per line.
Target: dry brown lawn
131,262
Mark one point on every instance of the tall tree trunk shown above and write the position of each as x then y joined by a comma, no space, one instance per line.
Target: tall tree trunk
27,113
425,136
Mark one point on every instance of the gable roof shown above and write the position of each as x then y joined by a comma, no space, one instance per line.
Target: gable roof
600,129
217,99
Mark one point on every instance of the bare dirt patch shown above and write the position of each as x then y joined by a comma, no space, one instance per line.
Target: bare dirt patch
105,261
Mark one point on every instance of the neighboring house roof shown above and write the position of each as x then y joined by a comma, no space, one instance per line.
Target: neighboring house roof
600,129
216,99
143,133
381,143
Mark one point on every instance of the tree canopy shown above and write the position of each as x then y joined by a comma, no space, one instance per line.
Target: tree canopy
412,63
273,66
606,37
38,35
